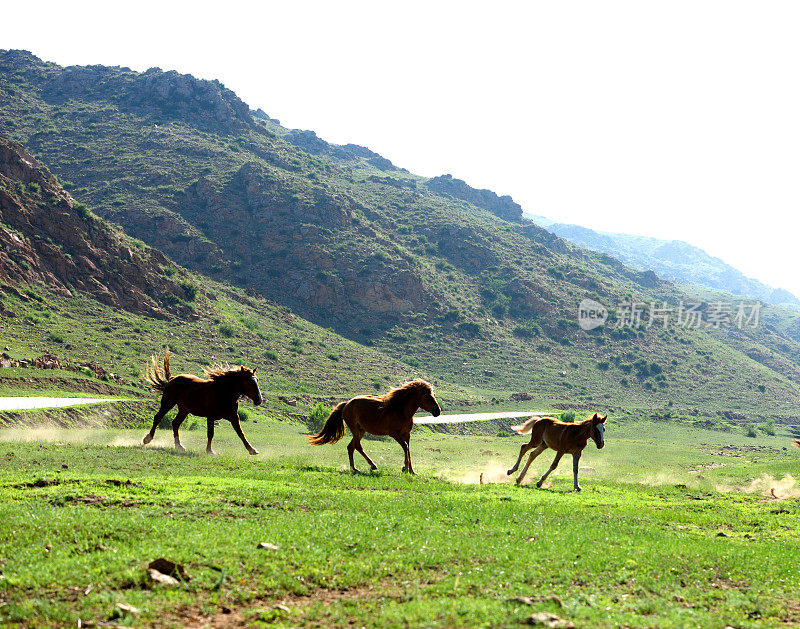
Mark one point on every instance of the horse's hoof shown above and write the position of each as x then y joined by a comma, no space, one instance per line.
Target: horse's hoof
210,452
180,448
539,484
578,488
518,481
510,472
253,451
374,468
147,439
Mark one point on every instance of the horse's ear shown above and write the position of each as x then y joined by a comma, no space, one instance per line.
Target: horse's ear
241,367
254,371
596,416
604,418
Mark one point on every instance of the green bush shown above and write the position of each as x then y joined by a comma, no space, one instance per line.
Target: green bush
751,431
83,211
319,415
410,360
226,329
244,414
568,416
527,330
251,323
189,289
768,428
468,328
271,355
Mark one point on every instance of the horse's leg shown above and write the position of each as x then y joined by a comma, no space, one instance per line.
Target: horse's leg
407,448
522,450
351,447
234,420
357,443
575,458
553,466
176,424
541,448
401,439
210,422
165,407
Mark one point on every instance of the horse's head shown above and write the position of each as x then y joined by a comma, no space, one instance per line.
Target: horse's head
598,429
249,384
427,401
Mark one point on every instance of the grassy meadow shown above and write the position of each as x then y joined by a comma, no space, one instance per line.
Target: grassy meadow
675,527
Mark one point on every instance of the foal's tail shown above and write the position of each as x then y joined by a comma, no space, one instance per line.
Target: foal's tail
333,430
156,380
524,429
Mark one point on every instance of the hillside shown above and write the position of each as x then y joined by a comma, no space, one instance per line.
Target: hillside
444,277
673,260
48,238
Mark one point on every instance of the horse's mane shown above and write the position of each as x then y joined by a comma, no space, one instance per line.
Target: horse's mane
220,371
398,396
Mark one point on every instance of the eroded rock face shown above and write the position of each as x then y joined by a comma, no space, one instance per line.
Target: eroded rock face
45,237
208,105
284,241
504,207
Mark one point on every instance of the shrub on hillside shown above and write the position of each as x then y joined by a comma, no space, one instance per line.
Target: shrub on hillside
568,416
468,328
318,417
527,330
751,431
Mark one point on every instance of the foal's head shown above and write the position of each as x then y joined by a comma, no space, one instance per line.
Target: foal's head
249,384
598,429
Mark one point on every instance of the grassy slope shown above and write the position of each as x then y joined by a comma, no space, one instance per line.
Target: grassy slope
132,171
639,546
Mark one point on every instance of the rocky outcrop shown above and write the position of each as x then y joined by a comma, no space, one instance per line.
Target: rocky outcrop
285,243
46,237
504,207
207,105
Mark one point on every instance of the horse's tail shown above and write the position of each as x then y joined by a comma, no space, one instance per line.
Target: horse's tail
333,430
524,429
154,377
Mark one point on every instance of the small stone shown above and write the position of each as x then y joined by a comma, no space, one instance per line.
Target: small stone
267,546
546,619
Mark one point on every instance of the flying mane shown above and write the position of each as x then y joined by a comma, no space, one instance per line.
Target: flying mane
220,371
398,396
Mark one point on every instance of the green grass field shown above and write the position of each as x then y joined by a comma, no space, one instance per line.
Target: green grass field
675,527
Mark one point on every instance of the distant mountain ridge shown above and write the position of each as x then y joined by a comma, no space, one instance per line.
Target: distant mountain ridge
673,260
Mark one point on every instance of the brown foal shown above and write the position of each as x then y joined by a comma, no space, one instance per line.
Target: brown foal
563,437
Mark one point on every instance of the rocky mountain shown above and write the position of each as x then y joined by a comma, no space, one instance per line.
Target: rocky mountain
674,260
430,271
46,237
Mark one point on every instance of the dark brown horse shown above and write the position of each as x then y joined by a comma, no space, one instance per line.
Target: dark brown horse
563,437
390,414
214,397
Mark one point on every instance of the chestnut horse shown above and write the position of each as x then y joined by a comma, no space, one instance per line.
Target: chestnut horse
563,437
390,414
214,397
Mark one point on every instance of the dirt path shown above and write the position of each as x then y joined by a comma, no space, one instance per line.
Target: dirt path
28,403
476,417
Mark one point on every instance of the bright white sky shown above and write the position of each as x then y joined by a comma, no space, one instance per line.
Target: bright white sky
678,119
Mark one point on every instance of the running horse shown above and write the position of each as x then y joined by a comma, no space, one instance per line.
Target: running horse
563,437
390,414
214,397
